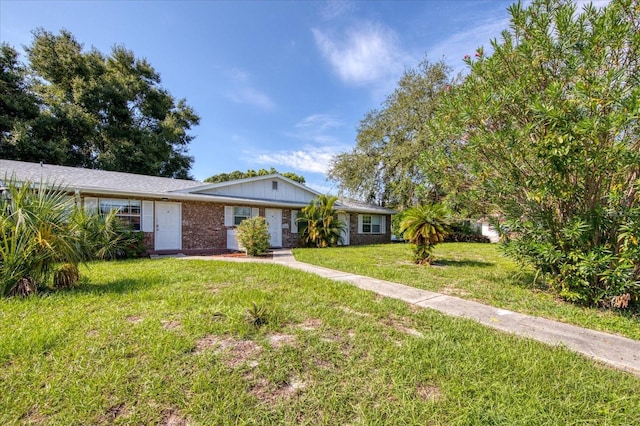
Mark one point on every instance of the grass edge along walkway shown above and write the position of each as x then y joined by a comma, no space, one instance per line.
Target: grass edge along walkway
616,351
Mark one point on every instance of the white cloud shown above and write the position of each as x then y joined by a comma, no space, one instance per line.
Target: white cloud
319,122
366,54
309,159
250,96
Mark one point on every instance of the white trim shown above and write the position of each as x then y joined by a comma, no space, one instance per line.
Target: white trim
147,216
294,222
383,224
228,215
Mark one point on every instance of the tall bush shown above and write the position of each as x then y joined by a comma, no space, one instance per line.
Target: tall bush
544,130
253,235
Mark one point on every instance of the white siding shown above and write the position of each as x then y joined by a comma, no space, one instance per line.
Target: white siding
263,189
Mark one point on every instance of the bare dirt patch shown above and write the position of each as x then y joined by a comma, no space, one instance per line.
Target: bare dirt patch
134,319
353,312
270,393
116,411
400,325
216,287
236,352
173,418
278,340
170,325
428,392
310,324
34,417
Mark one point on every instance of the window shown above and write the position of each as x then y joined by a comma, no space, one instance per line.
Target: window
240,214
274,185
371,224
234,215
127,210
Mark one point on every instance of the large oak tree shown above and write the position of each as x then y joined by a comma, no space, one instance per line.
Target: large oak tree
100,111
383,166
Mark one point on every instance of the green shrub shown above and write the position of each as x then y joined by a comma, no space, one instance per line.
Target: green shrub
106,237
254,236
605,274
463,232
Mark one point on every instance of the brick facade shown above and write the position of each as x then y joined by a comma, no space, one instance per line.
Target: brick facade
204,232
203,227
356,239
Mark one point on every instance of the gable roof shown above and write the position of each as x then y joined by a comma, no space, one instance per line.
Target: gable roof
102,182
206,186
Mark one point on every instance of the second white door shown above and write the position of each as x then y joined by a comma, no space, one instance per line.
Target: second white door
274,223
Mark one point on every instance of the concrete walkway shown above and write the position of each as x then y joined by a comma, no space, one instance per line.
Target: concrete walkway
616,351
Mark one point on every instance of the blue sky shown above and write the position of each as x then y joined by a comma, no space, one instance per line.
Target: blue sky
276,84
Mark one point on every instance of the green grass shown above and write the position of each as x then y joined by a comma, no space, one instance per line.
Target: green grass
170,341
471,271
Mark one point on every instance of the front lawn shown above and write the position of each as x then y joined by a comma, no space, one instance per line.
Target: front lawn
170,342
471,271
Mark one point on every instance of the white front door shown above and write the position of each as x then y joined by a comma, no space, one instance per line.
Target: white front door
274,224
168,226
344,217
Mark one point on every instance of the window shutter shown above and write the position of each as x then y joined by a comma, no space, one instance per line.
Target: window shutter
228,215
294,223
147,216
383,224
255,212
91,204
359,224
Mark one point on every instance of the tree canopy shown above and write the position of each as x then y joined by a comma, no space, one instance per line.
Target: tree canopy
383,167
83,108
237,174
544,131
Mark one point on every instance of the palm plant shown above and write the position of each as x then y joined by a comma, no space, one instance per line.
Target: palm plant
105,236
424,227
318,223
35,235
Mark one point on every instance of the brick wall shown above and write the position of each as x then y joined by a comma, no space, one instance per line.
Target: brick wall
203,226
289,239
356,239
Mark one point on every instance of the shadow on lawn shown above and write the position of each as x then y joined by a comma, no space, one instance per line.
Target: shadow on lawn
463,263
119,286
